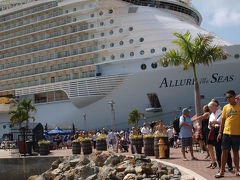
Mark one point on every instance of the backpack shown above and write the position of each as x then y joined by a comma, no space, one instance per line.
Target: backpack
176,125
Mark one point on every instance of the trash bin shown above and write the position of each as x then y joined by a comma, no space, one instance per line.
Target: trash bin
29,147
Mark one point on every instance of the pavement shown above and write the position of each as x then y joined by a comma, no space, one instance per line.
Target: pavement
199,166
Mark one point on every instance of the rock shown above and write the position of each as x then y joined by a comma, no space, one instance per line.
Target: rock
36,177
65,166
85,171
176,177
165,177
141,158
56,163
176,172
130,177
160,173
100,157
48,175
84,161
170,170
138,169
121,167
187,177
147,168
113,160
92,177
139,177
120,175
74,162
105,172
155,167
121,158
129,170
69,175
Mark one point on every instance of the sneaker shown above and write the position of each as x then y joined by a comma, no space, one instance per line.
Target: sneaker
219,175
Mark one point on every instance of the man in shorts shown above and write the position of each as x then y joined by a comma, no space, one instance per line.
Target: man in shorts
186,127
230,128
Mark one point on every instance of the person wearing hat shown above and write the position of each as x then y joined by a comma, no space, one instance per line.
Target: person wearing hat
186,127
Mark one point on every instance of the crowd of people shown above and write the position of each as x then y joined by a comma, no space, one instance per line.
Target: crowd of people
216,131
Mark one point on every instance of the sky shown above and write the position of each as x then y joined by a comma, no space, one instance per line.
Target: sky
222,17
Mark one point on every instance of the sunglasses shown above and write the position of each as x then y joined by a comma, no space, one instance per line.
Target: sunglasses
228,97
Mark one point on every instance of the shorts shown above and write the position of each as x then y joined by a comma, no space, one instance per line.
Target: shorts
230,141
186,142
175,137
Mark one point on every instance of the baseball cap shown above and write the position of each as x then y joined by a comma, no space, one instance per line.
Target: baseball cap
185,110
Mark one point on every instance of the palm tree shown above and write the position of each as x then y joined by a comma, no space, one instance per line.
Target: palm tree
29,108
193,52
134,117
18,116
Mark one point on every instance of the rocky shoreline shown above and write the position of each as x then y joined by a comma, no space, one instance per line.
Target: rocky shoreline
108,166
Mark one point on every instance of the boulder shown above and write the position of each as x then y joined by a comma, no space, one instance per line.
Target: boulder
138,169
56,163
165,177
113,160
74,162
100,157
187,177
83,172
92,177
130,177
130,170
36,177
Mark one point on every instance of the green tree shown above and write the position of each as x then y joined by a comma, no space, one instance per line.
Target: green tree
134,117
193,52
18,116
28,107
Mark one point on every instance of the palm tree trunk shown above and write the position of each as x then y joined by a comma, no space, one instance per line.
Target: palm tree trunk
196,93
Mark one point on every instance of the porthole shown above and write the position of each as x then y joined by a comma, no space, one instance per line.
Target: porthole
131,41
111,32
112,45
121,55
143,66
111,21
164,49
121,30
102,34
110,11
101,23
154,65
121,43
100,13
91,25
130,28
236,56
131,53
112,57
152,50
4,126
92,15
141,39
142,52
103,46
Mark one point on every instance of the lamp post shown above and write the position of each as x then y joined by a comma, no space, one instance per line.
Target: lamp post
111,102
85,121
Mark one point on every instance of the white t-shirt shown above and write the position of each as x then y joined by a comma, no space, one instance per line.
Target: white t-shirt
145,130
215,116
170,132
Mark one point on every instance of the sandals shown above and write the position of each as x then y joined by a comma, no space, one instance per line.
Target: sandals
214,165
210,165
194,159
219,175
238,174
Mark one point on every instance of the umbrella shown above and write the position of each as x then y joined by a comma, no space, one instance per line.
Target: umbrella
55,131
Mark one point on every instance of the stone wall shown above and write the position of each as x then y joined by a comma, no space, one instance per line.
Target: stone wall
22,168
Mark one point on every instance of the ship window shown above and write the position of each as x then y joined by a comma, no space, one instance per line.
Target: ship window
52,79
112,57
92,15
152,50
101,23
111,21
130,28
111,32
103,46
110,11
103,58
131,41
102,34
121,43
141,39
121,30
122,55
100,13
143,66
154,65
74,19
74,9
236,56
50,96
112,45
40,98
142,52
164,49
66,11
60,95
92,36
131,53
154,101
91,25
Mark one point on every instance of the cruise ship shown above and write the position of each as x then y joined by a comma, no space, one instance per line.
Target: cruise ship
91,62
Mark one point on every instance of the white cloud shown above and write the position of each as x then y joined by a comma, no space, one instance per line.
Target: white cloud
220,13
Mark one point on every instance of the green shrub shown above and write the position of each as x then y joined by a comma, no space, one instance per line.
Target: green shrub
43,142
101,137
135,136
158,134
148,136
86,139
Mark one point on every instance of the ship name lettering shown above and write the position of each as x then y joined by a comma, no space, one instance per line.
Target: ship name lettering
216,78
